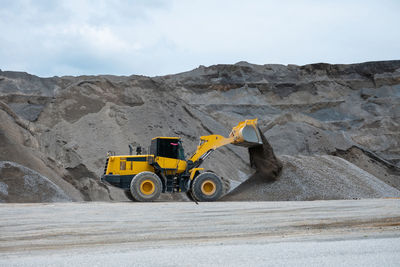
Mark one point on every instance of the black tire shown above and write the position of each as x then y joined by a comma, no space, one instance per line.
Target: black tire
189,193
146,186
207,187
190,196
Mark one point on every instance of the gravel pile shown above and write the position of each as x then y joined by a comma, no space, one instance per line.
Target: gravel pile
63,127
311,178
21,184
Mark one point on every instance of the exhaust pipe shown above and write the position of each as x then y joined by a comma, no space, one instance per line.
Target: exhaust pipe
130,149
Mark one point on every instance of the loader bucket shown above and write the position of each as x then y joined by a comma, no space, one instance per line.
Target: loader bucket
246,134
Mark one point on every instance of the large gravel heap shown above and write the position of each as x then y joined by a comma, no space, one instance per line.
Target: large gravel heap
335,128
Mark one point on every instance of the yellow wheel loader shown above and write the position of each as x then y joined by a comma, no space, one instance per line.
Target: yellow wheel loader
165,169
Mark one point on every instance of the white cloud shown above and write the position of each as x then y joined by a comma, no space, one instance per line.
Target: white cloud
159,37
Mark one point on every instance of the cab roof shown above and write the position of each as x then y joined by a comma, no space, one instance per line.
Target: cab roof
164,137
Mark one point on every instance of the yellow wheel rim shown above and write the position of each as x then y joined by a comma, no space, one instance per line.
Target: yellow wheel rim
208,187
147,187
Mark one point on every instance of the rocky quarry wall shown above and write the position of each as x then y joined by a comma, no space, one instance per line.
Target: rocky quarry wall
335,129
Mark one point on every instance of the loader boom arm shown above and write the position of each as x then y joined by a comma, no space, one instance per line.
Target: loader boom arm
208,144
244,134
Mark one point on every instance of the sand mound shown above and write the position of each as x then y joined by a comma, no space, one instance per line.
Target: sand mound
21,184
311,178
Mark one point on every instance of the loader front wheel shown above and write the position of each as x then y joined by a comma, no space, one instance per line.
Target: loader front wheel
190,196
146,186
207,187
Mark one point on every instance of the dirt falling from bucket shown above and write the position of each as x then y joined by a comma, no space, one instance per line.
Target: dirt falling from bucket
263,159
268,168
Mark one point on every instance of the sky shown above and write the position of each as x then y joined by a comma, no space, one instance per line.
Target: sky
158,37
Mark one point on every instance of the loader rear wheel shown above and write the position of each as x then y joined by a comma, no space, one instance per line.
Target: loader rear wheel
207,187
146,186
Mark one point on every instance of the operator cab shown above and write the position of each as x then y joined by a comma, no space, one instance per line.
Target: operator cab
168,147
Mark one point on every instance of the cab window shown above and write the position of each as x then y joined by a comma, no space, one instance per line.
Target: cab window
181,151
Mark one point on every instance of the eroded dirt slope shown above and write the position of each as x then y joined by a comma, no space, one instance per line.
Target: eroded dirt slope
62,127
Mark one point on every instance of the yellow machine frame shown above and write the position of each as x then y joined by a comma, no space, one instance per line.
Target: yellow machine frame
120,170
